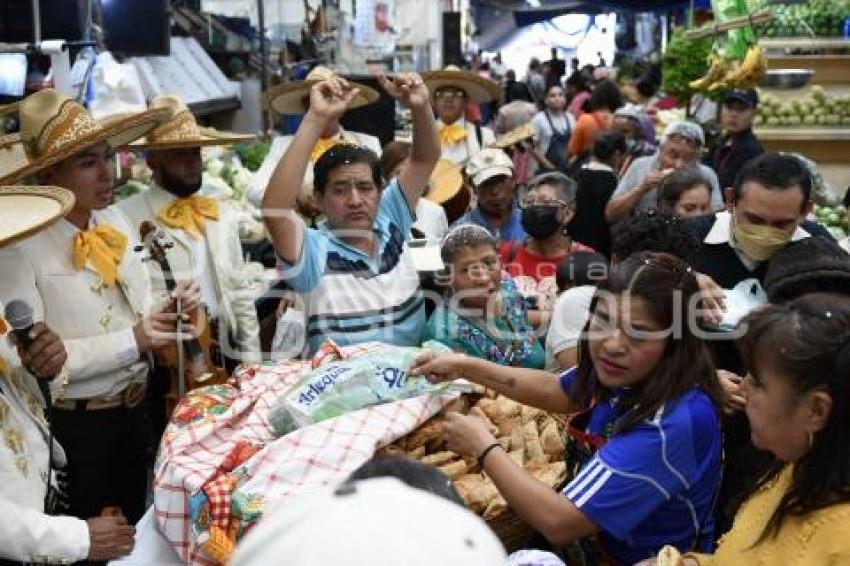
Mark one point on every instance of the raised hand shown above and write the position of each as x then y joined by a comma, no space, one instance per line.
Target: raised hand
330,98
407,88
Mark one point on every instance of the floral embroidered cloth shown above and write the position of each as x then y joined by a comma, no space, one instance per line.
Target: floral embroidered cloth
508,340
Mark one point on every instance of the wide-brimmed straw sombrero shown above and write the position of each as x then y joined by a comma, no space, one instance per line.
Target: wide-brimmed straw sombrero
446,180
25,210
477,89
514,136
55,127
182,130
288,98
9,108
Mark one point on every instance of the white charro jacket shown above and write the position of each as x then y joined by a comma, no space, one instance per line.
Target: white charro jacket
95,323
224,259
27,534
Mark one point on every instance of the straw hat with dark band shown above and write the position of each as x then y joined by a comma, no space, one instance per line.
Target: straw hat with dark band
182,130
55,127
477,89
9,108
515,136
288,98
26,210
446,180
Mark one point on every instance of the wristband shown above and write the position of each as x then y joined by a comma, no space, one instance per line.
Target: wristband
485,452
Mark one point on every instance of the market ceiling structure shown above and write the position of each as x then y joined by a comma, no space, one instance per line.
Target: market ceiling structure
498,20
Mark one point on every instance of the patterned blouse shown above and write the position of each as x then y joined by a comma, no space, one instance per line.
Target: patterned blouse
514,342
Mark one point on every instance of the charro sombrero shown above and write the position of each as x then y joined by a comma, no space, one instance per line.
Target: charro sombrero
55,127
9,108
182,130
477,89
514,136
446,180
26,210
287,98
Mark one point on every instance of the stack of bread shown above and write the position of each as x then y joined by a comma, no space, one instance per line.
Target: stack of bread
533,438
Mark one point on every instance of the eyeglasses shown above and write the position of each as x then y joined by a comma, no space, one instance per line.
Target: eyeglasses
529,202
449,94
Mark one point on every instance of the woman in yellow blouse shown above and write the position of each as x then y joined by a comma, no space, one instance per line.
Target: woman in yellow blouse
798,405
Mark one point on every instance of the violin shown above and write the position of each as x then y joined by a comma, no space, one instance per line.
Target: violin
193,362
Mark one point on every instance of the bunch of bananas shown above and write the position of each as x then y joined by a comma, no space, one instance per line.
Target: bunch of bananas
737,74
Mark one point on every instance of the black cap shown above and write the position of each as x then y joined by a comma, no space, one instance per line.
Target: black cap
748,97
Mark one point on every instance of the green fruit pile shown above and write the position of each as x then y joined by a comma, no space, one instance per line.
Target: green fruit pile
823,17
816,109
835,219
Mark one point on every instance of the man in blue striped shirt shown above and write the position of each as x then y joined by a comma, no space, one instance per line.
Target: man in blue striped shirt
354,272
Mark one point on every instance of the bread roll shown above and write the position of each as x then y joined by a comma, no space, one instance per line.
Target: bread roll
552,443
439,458
533,448
455,469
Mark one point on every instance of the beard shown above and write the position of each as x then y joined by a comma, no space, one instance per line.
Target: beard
177,186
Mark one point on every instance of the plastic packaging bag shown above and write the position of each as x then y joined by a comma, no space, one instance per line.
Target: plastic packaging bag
340,387
290,335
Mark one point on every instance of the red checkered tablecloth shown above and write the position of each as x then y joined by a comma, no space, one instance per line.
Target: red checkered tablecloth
220,448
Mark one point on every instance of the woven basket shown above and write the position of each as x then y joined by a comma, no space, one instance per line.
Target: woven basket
513,531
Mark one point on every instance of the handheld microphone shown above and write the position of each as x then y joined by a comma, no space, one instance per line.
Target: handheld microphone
19,316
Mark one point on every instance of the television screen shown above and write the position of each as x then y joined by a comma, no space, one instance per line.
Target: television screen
13,74
136,27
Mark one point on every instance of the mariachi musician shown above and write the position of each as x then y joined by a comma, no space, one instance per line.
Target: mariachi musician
204,231
204,244
33,530
83,279
460,139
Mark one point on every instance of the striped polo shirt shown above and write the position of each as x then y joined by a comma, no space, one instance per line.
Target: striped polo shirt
352,297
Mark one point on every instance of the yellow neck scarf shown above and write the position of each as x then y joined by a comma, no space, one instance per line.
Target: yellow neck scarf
322,146
452,134
102,248
190,214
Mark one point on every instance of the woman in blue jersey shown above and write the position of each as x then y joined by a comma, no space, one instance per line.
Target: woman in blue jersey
644,446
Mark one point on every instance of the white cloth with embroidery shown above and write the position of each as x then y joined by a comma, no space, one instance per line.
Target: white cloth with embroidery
27,534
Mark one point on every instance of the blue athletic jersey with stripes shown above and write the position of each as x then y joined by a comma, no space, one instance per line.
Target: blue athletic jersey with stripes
352,297
655,483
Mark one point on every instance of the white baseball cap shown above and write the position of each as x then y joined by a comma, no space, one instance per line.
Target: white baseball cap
376,521
488,163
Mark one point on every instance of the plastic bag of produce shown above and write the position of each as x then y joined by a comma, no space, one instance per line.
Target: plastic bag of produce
737,40
340,387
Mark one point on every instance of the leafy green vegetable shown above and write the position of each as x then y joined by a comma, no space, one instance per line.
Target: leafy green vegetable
252,154
684,60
